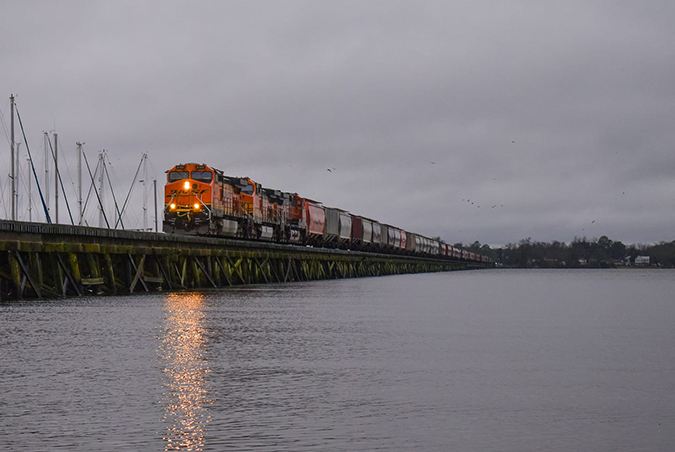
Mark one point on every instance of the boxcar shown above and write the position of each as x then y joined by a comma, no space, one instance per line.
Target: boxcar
357,231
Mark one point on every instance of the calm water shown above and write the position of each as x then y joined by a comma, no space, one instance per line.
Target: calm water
470,361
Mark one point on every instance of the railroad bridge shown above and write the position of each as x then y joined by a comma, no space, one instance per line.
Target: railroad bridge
49,261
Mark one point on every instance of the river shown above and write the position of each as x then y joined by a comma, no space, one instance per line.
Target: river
492,360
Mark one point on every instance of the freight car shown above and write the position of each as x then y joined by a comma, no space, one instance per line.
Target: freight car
201,200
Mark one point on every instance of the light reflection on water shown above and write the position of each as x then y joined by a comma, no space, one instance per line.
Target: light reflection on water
186,396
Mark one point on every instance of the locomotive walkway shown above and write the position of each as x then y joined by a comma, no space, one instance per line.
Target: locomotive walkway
49,261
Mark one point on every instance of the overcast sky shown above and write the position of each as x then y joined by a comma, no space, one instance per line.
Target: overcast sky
490,121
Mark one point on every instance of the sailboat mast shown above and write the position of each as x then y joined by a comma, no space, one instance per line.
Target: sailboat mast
145,192
30,194
154,183
101,217
47,160
79,178
56,178
11,127
17,167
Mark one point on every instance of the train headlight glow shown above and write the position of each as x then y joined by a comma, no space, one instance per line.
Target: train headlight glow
172,206
186,185
197,206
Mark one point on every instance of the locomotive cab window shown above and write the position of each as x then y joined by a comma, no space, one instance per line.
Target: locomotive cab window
178,175
202,176
247,190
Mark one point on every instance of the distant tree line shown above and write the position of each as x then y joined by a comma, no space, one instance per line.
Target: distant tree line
581,252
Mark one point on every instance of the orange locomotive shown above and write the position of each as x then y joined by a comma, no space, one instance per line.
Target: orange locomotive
201,200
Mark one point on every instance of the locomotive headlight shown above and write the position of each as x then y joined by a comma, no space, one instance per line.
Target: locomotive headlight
197,206
172,206
186,185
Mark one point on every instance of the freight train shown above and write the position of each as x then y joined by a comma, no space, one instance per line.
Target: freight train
201,200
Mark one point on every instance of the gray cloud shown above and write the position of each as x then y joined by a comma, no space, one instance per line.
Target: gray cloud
561,112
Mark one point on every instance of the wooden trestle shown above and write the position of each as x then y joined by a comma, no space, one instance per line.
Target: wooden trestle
48,261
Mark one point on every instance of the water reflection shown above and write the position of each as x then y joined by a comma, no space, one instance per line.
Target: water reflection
186,397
